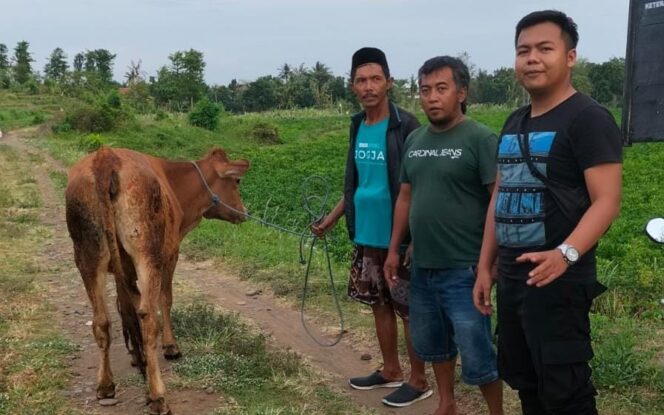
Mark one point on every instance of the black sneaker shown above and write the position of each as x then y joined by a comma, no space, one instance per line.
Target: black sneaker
406,395
373,381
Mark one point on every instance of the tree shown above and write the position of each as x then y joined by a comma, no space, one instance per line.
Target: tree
22,63
191,83
285,72
57,66
399,92
181,84
4,67
580,76
230,96
135,74
472,68
262,94
321,79
4,59
607,81
100,63
79,58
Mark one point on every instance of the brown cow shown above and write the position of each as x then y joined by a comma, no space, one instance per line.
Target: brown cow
127,213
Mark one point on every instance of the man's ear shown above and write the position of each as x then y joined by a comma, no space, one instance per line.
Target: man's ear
462,94
571,58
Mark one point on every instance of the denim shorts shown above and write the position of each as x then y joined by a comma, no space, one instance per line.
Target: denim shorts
444,322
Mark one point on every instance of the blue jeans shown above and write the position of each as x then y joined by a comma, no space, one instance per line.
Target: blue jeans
443,317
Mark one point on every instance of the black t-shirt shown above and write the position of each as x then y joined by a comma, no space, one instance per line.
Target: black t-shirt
570,138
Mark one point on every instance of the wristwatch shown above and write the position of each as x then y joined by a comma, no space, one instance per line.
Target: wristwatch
570,254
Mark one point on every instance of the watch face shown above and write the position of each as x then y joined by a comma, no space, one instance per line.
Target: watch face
572,254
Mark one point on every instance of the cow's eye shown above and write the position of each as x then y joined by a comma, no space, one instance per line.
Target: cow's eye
237,181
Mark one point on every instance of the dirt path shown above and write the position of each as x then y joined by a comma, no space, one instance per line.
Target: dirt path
280,322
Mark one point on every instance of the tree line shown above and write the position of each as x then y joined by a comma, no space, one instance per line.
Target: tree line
180,84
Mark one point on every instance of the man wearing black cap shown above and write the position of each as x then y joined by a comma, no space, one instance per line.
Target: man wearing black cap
371,187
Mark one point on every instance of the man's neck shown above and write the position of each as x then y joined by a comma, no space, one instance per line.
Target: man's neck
378,113
449,125
541,104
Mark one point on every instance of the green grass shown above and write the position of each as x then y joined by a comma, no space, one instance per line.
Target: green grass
229,357
59,179
627,368
32,368
22,110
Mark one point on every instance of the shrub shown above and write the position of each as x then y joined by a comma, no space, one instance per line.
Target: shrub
38,118
113,99
205,115
61,127
160,115
90,142
98,114
92,118
266,133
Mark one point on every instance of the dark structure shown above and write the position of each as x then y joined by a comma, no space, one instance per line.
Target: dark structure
643,110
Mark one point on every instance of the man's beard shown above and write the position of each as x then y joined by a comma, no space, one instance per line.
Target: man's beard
441,123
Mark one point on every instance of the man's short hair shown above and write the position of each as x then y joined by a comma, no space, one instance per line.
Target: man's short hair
367,55
459,72
567,26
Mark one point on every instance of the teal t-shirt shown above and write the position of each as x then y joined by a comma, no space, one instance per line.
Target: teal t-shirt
373,204
449,172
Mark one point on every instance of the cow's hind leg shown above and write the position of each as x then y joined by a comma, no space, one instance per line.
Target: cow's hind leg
92,258
149,284
169,344
94,276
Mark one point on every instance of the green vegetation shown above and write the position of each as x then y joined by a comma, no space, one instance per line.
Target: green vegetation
205,114
227,356
32,369
20,110
180,84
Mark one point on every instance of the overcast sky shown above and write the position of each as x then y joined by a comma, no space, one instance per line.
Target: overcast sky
245,39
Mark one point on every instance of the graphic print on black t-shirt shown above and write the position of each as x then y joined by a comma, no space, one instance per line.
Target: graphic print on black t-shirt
574,136
520,210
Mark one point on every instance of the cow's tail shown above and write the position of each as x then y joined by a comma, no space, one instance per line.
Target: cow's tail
105,168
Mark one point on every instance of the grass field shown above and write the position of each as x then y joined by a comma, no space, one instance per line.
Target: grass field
627,320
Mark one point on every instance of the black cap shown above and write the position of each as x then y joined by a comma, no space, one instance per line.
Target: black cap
369,55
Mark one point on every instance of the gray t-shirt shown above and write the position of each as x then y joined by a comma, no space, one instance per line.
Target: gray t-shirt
449,172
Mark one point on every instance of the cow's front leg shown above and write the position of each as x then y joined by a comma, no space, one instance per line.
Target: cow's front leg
169,344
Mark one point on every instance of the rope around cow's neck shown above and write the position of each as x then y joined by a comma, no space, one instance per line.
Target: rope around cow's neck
314,217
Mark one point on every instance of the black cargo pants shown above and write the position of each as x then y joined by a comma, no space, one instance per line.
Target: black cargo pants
544,345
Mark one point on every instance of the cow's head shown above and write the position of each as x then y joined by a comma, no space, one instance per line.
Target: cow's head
226,185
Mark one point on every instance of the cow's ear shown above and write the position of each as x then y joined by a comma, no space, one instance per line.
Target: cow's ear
236,168
218,153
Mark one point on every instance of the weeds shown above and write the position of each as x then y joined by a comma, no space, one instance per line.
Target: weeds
228,356
32,371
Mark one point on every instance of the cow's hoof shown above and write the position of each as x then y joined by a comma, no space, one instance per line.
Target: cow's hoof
106,391
172,352
158,407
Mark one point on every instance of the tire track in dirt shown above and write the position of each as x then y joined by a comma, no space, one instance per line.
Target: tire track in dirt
278,321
